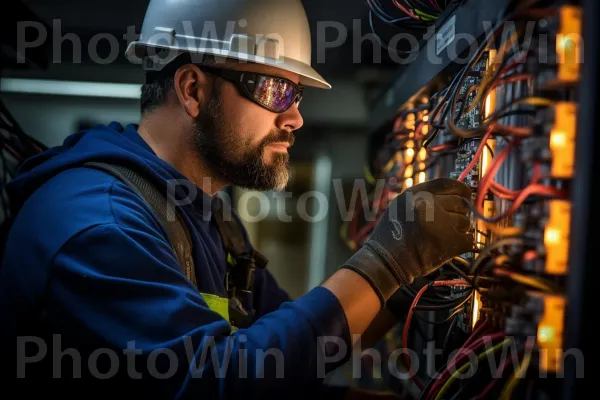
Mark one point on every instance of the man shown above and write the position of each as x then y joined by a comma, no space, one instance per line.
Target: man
90,285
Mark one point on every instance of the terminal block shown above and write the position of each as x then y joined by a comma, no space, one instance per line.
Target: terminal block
554,145
558,63
541,317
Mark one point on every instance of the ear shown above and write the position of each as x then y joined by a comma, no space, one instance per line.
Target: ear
191,86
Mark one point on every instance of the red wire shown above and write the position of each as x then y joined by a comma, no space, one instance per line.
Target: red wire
477,155
508,194
397,123
502,192
419,129
406,329
485,183
475,333
435,5
495,380
358,236
530,190
436,149
490,386
405,10
459,357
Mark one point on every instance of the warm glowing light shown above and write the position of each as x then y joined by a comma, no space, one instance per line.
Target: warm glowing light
565,42
423,154
476,308
410,153
485,161
421,178
409,182
545,334
489,102
558,139
552,236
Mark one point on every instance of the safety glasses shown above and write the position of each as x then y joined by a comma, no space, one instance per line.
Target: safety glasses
272,92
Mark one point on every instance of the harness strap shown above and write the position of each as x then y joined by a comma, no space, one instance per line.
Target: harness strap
172,223
242,258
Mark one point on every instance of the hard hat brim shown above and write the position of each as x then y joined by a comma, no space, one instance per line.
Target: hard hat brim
308,76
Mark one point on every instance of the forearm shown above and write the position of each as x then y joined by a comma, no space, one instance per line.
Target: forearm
357,297
382,324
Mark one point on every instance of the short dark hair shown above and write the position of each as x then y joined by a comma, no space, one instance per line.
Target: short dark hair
159,85
155,93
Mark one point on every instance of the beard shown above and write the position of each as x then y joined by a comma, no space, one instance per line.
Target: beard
241,163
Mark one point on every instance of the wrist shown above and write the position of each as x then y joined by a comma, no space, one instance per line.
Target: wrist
374,270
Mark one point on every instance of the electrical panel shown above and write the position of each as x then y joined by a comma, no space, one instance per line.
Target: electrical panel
505,123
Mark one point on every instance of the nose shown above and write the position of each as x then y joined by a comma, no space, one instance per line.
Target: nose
290,120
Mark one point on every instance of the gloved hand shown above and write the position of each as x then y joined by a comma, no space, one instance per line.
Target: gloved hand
422,229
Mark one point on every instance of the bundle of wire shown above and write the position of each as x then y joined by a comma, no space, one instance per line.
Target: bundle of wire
413,16
395,167
16,146
495,272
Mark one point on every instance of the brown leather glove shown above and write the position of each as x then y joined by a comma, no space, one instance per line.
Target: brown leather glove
423,228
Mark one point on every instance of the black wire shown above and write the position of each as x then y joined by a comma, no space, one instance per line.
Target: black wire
447,319
459,271
433,297
449,306
432,381
498,218
446,342
431,136
478,54
462,391
489,250
424,7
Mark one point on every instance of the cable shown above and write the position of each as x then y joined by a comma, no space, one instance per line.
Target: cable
406,329
477,155
459,272
447,319
434,380
533,282
446,342
519,373
463,368
472,344
495,379
487,251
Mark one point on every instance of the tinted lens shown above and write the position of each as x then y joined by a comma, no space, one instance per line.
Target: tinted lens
276,94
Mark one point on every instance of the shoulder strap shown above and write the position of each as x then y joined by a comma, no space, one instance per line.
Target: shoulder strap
174,227
242,262
242,258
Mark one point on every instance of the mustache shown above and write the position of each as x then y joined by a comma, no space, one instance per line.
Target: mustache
279,137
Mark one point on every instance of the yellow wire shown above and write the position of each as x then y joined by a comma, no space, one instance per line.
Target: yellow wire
489,73
390,164
529,281
428,17
503,231
512,382
344,235
369,176
462,369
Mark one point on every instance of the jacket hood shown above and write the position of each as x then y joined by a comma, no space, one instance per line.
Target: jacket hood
112,143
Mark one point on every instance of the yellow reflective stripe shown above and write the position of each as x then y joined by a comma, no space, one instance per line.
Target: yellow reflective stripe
220,305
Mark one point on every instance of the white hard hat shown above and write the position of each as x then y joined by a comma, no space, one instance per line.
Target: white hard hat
269,32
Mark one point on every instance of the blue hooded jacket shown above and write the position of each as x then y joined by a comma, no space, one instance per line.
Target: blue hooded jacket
90,288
